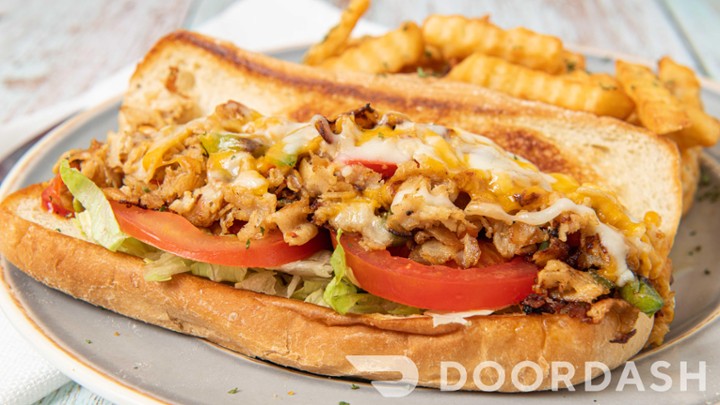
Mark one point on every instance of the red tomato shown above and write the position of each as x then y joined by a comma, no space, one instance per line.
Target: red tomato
56,198
175,234
440,288
385,169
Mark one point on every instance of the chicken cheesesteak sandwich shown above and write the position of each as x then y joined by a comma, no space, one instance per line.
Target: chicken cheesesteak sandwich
368,213
302,218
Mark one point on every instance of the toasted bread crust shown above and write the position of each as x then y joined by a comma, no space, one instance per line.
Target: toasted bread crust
302,335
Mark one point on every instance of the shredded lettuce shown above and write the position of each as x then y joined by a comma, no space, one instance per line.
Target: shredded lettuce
309,288
340,293
343,296
217,272
261,282
316,298
97,220
165,267
136,248
292,286
315,266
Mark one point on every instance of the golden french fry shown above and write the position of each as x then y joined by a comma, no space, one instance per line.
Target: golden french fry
386,54
633,119
431,55
600,79
569,92
458,37
573,62
681,81
338,35
657,109
353,42
704,130
577,75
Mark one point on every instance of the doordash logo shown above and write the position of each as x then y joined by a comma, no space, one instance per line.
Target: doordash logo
560,375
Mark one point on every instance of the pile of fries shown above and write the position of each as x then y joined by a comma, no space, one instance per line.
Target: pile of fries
526,65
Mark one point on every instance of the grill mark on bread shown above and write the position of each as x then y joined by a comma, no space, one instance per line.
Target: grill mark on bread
330,88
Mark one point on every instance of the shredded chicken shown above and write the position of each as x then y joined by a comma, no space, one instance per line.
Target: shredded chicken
515,239
561,281
293,222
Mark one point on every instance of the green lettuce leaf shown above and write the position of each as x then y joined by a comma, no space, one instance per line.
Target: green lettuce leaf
97,220
340,293
165,267
310,287
217,272
343,296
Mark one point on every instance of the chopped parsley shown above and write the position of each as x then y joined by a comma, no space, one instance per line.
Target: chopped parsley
247,244
234,391
570,65
704,178
354,387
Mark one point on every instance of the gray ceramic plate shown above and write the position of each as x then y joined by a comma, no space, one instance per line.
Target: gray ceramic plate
131,362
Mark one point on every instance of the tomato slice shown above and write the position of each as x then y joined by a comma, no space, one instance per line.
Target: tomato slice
57,199
175,234
385,169
439,288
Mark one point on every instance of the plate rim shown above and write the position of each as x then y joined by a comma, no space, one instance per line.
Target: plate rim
113,389
77,370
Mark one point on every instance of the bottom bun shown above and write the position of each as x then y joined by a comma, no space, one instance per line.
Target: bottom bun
310,337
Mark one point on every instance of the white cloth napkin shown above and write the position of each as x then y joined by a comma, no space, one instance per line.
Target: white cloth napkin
258,25
25,377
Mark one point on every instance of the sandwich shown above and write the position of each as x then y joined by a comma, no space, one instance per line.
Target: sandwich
301,216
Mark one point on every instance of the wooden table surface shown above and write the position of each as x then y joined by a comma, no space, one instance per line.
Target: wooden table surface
54,50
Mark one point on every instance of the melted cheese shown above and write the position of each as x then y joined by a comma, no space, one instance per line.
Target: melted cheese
377,149
299,137
251,180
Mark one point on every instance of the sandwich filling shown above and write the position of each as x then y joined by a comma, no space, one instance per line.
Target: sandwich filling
369,212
